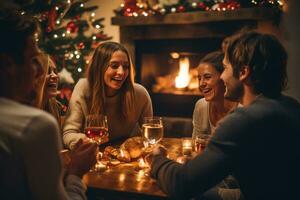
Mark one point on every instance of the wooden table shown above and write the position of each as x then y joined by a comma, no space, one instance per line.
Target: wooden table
125,181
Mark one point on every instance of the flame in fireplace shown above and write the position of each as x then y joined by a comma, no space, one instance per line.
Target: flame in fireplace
183,78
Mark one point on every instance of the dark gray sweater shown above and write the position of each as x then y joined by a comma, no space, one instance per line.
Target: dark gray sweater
259,144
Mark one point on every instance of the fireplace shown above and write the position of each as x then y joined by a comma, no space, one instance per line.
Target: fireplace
167,49
167,68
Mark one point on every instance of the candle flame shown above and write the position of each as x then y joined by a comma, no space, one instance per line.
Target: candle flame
183,78
142,163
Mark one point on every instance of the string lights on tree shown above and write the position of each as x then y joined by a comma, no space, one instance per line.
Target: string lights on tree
71,30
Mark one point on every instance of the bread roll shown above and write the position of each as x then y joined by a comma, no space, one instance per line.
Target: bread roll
124,156
111,151
134,146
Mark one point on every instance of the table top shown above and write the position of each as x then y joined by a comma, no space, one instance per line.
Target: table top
128,179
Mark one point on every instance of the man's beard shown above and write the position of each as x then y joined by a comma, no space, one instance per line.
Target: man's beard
235,93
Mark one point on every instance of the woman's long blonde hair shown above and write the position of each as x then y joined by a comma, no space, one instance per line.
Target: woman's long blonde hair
42,101
41,61
95,76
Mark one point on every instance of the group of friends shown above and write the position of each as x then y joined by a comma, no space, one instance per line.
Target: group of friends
254,129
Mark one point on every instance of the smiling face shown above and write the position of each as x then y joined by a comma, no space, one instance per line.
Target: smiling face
116,73
234,87
51,80
210,84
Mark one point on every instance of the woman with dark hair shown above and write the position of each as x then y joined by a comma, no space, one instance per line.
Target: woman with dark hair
110,90
210,110
213,107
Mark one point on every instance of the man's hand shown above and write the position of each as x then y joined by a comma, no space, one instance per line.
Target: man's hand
157,150
83,157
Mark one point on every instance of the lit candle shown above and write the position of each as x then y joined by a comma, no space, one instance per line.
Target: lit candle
142,163
187,146
100,167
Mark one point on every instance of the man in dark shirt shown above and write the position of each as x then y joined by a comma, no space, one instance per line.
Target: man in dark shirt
257,143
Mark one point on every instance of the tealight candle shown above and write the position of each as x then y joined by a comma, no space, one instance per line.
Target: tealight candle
100,167
187,146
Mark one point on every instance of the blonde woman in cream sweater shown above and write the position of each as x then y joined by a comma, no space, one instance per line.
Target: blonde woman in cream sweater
109,89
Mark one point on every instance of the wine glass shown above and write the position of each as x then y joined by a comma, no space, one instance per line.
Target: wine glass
96,128
153,129
200,142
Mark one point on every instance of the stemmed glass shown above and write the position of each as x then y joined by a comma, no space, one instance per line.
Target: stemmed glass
153,129
153,133
96,128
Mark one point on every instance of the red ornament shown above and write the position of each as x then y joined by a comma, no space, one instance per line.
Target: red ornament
233,6
81,45
181,9
130,7
48,29
71,26
202,6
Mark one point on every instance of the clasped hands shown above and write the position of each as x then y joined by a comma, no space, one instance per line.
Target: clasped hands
82,157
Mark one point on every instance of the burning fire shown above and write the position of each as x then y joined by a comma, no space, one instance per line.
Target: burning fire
183,78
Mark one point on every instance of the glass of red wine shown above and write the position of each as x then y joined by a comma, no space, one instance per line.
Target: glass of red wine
96,128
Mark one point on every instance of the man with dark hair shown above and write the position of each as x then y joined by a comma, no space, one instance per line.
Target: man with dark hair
30,140
257,143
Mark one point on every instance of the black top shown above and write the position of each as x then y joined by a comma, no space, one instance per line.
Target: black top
258,144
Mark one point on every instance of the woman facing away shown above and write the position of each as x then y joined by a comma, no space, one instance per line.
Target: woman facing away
213,107
109,89
209,111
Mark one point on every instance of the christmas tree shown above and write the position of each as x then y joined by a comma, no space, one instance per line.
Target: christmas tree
71,31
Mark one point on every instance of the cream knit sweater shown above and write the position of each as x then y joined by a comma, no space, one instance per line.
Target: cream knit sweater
118,127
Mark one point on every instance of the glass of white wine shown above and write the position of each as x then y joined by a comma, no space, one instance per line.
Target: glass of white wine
153,129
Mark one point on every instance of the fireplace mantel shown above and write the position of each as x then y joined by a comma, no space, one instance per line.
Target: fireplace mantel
199,17
193,31
191,25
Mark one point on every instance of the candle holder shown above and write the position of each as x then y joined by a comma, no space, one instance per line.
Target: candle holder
100,167
187,146
200,142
